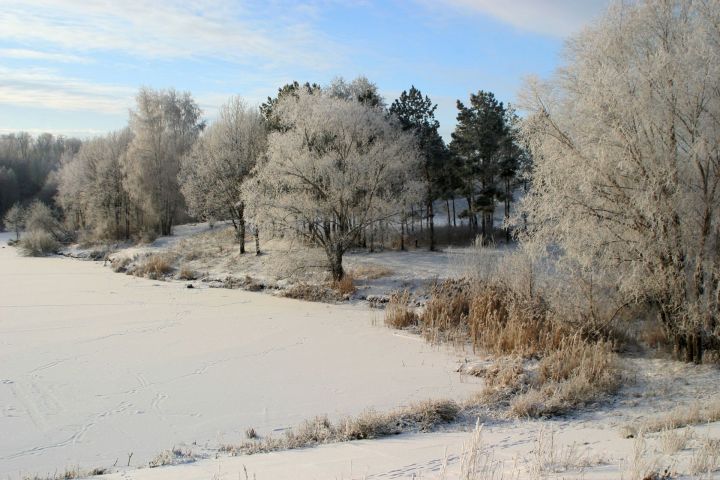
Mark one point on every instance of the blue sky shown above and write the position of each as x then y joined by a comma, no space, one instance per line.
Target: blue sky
72,67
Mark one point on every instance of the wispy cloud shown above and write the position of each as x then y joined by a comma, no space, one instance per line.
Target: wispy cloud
27,54
256,33
557,18
42,87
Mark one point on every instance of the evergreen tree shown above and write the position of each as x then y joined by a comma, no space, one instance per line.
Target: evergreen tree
267,109
417,115
478,144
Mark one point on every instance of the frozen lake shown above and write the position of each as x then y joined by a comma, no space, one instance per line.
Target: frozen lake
96,365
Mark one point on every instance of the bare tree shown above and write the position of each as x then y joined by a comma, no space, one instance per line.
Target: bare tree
164,126
626,141
340,167
213,172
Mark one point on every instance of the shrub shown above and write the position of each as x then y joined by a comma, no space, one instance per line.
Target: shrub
38,243
398,313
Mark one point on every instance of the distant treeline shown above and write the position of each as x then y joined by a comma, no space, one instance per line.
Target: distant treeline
29,165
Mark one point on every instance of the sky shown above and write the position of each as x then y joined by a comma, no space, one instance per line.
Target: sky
73,67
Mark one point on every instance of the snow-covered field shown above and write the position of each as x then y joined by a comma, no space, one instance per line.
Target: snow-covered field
95,365
100,369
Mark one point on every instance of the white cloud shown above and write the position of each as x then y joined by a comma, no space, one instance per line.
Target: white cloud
41,87
252,33
550,17
26,54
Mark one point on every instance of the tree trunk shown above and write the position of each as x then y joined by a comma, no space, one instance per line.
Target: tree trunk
454,216
241,227
335,260
402,235
431,225
257,241
507,210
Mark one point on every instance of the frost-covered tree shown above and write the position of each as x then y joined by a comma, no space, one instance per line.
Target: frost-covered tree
340,167
91,188
360,89
39,218
213,172
626,143
15,219
290,89
164,124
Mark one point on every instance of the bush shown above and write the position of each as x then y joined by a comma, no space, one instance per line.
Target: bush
38,243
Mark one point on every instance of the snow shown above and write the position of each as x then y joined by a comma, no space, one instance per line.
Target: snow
96,365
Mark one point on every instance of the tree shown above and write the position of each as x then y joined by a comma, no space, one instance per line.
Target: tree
39,218
91,188
360,89
416,114
339,168
290,89
213,172
15,219
514,164
477,142
626,177
164,126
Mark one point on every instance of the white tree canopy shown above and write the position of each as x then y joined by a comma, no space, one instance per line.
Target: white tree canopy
626,141
340,168
213,172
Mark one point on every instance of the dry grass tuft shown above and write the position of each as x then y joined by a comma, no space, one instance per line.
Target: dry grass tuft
706,459
69,474
154,266
312,293
120,264
673,441
573,375
423,416
445,314
186,273
370,271
174,456
682,417
346,285
398,313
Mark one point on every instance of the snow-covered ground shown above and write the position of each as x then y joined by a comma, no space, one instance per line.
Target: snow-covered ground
98,369
95,365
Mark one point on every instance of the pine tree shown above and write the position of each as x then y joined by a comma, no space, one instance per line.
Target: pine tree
417,115
478,143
